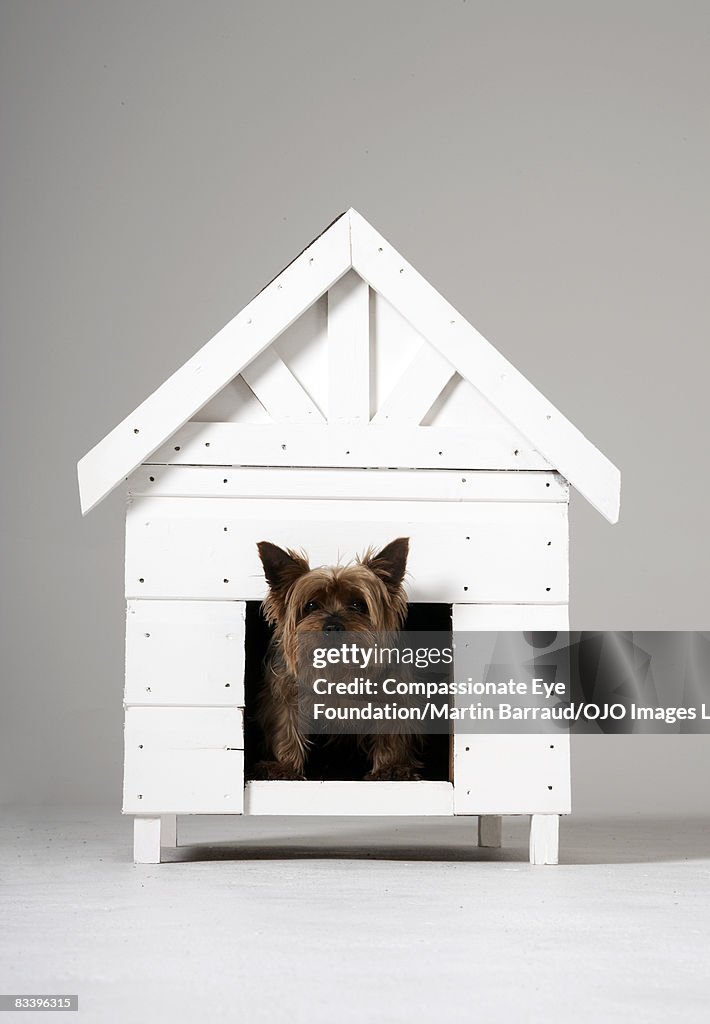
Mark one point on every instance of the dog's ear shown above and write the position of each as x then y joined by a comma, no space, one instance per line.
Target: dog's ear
390,564
281,568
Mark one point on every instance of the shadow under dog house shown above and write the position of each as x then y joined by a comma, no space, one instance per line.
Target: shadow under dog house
347,404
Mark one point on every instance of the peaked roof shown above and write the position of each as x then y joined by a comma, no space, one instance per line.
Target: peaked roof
349,242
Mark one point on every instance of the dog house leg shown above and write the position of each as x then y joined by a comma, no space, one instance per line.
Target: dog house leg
544,838
168,830
490,829
146,840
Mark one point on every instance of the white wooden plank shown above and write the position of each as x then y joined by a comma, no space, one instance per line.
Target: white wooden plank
459,552
514,617
182,653
343,445
562,444
349,798
235,403
507,773
349,350
354,484
305,510
183,761
222,358
544,838
417,389
500,774
394,343
279,392
461,406
490,830
304,349
146,840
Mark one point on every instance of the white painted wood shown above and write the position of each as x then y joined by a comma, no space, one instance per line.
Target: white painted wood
353,484
185,653
304,349
183,761
350,242
307,510
507,773
477,361
349,798
349,350
417,389
278,391
347,446
490,830
222,358
235,403
501,774
544,838
394,344
459,551
146,840
461,406
168,830
514,617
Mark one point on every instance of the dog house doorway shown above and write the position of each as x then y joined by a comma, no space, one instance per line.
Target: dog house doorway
339,761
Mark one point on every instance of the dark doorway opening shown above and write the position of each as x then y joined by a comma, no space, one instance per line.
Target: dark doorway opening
340,759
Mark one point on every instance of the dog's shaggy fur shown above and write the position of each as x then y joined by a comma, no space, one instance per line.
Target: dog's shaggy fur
366,596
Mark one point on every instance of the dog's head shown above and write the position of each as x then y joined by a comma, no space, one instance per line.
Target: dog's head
364,596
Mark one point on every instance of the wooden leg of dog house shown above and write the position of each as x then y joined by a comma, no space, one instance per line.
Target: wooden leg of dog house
490,827
146,840
544,838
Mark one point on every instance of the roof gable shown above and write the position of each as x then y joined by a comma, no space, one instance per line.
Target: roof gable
449,346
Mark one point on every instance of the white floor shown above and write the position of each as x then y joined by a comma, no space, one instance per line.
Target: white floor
356,920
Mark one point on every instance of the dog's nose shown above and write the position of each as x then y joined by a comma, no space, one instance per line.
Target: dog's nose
333,626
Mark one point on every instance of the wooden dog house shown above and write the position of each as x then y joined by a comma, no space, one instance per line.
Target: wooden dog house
347,404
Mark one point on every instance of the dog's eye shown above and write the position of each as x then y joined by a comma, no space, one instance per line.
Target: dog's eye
311,606
358,606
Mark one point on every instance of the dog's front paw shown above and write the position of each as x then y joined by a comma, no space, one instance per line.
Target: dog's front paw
393,773
273,770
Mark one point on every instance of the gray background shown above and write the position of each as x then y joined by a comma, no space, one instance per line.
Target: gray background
544,165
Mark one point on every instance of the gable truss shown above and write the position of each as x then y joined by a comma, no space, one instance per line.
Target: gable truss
452,346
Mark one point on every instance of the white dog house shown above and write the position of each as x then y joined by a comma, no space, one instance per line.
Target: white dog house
346,405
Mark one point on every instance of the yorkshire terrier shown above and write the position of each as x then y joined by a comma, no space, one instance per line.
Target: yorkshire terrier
366,596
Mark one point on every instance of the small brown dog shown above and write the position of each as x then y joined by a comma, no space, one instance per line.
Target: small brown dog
366,596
